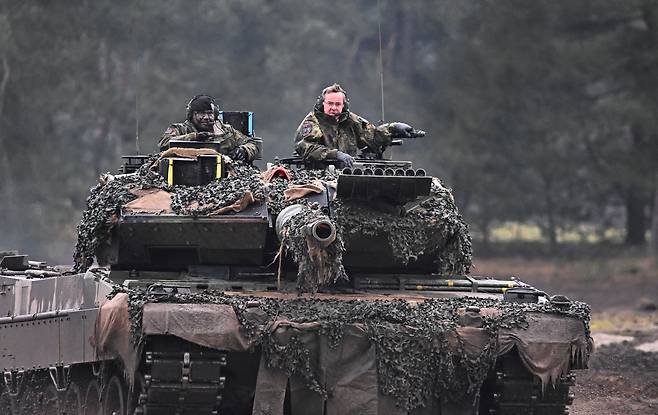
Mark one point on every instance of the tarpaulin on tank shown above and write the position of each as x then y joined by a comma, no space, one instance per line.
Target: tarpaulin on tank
297,191
152,201
210,325
548,344
112,337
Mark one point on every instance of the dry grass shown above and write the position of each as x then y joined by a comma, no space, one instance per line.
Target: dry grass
624,322
516,231
583,270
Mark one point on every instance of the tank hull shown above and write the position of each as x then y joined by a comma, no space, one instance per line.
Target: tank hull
81,356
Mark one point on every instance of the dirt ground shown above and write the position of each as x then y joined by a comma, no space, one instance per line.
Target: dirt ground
623,294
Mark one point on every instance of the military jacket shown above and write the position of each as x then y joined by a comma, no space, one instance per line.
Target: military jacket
228,137
320,136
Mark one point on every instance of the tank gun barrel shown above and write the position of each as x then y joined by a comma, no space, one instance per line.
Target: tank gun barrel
323,231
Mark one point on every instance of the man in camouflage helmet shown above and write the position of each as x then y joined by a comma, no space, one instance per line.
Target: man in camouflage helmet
202,125
332,132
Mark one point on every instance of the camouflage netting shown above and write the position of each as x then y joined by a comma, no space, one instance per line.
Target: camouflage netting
434,224
415,362
204,200
112,192
316,266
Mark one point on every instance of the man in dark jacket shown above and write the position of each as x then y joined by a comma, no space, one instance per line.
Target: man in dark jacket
332,132
201,124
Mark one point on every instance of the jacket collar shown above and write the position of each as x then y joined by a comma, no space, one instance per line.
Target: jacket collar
329,119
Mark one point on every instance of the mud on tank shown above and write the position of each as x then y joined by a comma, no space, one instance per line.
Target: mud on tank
221,289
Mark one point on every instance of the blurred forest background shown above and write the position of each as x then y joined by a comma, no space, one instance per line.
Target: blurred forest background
542,115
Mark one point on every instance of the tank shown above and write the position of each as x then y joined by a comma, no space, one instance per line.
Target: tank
202,286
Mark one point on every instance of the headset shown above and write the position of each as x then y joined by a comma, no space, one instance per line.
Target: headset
215,107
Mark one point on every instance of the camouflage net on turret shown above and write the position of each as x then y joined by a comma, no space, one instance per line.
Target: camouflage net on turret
435,223
414,361
112,192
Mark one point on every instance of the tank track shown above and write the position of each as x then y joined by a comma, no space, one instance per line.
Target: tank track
514,390
179,378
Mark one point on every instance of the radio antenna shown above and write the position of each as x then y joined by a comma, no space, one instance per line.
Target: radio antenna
137,122
381,58
139,60
137,88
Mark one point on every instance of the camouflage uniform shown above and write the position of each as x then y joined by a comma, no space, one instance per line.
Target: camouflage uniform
228,137
320,136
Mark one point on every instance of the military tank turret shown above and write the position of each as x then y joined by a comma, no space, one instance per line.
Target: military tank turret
204,286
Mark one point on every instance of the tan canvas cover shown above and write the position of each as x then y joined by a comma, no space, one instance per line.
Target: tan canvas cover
348,371
547,345
151,201
210,325
297,191
112,338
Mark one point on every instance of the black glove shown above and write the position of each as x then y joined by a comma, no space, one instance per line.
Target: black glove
401,130
205,136
345,159
239,154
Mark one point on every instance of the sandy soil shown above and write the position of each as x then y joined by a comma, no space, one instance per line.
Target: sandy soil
623,294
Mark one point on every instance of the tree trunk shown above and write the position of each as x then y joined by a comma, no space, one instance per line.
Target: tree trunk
485,228
636,223
654,223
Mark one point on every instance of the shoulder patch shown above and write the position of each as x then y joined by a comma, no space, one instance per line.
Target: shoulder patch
307,128
170,130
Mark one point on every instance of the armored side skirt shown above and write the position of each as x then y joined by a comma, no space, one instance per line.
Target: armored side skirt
48,339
